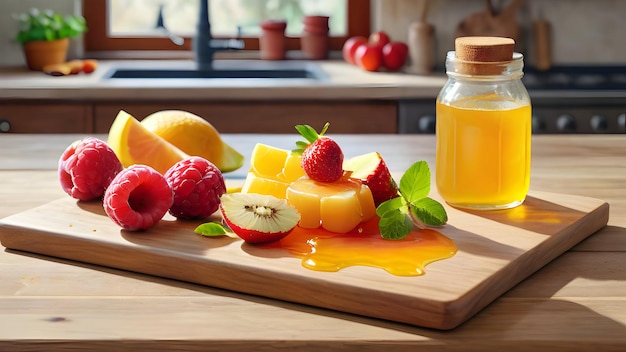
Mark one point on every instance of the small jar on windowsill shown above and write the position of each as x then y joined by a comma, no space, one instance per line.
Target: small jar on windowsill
314,40
273,43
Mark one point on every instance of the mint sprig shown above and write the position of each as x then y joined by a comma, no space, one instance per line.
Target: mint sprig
413,207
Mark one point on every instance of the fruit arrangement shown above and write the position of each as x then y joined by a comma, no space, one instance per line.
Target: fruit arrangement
146,170
376,52
140,176
338,195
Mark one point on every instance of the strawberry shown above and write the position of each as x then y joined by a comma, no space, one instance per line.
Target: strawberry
322,158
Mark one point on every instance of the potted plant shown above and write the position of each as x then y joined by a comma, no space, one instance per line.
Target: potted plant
44,36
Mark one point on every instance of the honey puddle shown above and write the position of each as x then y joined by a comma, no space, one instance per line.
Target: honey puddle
322,250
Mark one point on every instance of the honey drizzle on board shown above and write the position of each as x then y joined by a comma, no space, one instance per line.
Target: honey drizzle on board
321,250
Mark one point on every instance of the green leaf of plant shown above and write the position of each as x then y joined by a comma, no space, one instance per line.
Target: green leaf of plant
47,25
394,225
22,37
430,211
64,32
49,33
415,182
389,205
211,229
37,34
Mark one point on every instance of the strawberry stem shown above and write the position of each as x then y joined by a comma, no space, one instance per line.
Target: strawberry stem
310,134
325,128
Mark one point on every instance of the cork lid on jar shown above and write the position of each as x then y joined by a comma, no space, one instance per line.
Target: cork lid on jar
478,52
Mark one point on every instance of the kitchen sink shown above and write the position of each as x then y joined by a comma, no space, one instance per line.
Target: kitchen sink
201,74
221,70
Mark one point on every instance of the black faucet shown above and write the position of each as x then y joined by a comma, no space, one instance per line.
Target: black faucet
160,26
204,46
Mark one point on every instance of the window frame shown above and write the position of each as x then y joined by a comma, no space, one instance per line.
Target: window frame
97,39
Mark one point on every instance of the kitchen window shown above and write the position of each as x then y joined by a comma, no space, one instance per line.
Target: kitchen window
132,24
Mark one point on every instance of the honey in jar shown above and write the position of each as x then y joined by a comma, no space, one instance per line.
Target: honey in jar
483,126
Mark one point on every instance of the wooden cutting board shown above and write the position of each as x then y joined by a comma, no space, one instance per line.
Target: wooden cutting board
496,250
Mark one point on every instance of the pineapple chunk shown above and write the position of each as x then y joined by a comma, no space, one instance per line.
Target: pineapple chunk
335,206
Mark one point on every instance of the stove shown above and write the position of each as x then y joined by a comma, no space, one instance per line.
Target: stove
577,78
568,99
578,99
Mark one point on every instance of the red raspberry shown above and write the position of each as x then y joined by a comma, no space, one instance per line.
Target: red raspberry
87,167
137,198
197,185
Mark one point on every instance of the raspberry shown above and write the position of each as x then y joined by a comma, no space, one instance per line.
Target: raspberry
87,167
137,198
197,185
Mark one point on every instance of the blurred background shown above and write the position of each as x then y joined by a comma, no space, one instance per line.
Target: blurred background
583,32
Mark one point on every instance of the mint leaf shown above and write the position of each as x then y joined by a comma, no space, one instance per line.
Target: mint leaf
394,225
430,211
389,205
415,182
413,208
211,229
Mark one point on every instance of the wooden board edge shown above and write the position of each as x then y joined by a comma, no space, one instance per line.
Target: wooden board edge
304,292
400,311
459,311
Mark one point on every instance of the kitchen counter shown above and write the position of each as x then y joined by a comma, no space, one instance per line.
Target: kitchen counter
342,81
575,303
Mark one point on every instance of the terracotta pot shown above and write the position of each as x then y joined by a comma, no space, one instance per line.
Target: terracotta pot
314,39
314,46
316,21
273,42
40,53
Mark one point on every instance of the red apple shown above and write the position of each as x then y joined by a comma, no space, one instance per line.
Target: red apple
350,46
379,38
394,55
371,169
369,57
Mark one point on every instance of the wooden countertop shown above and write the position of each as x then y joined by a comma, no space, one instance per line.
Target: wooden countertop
342,81
575,303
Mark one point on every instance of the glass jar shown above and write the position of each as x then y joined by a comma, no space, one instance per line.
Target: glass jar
483,132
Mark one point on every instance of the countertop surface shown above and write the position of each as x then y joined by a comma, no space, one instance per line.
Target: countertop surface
340,81
575,303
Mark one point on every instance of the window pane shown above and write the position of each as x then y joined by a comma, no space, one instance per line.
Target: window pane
139,17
